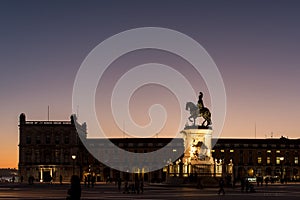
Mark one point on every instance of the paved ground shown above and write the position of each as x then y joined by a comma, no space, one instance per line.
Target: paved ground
106,192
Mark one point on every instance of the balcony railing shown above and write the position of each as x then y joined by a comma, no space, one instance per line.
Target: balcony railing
47,122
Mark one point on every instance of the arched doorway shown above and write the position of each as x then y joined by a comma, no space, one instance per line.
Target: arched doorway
250,172
268,171
241,172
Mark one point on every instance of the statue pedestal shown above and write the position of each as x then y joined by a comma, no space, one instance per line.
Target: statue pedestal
197,143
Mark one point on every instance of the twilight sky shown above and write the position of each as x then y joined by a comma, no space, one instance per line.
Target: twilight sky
255,45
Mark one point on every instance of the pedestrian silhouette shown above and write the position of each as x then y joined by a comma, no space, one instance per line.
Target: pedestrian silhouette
142,186
119,183
221,186
247,185
93,181
242,184
75,191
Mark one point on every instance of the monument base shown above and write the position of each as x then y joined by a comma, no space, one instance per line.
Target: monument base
197,143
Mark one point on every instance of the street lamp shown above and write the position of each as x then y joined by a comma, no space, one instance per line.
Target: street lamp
281,162
73,157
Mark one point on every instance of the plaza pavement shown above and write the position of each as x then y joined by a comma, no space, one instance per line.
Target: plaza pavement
158,191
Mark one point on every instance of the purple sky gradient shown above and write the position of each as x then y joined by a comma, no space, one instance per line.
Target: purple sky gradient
255,45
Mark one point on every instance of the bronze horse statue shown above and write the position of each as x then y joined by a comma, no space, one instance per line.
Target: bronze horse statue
195,112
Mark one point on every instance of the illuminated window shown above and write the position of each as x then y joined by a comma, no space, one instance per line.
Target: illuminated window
231,150
213,150
222,150
268,151
296,160
277,151
277,160
259,160
268,160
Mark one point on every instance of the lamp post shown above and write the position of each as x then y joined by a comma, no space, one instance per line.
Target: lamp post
73,157
281,162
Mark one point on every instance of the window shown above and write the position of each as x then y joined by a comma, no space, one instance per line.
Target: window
231,151
277,151
222,150
268,160
57,139
259,160
28,156
67,157
28,139
38,139
57,156
250,157
277,160
241,156
67,139
259,171
296,160
48,139
37,156
268,151
47,157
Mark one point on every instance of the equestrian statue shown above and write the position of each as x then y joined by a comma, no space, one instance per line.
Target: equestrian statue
199,111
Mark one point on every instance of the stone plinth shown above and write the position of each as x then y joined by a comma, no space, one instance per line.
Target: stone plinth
197,143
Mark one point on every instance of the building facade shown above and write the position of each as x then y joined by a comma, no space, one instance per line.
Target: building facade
49,150
272,157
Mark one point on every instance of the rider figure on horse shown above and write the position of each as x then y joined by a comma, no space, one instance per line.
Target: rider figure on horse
200,101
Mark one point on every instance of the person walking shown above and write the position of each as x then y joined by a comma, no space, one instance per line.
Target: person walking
221,187
242,184
142,186
93,180
75,191
60,179
119,183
